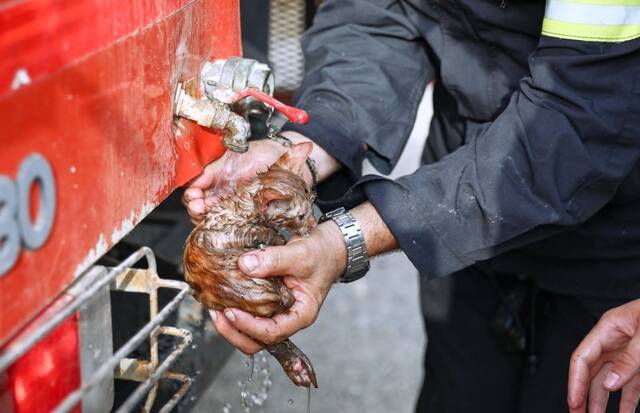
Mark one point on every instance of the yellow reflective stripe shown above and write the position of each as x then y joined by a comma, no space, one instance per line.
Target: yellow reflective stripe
592,20
590,32
568,12
607,2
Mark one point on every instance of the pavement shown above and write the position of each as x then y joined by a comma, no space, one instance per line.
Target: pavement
366,346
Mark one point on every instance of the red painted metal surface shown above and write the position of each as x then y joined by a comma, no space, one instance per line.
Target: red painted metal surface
42,378
99,109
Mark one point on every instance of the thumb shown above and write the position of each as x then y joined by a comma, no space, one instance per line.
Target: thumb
275,261
625,366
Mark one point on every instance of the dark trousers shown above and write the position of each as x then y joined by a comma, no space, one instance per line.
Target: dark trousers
471,366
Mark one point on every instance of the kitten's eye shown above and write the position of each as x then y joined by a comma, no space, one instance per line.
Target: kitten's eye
301,217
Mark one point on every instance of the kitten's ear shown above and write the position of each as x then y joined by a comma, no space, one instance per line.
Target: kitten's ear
300,151
268,196
295,157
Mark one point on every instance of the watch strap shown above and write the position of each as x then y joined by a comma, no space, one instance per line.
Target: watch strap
288,143
357,256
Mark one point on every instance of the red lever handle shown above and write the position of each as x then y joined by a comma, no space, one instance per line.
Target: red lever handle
294,114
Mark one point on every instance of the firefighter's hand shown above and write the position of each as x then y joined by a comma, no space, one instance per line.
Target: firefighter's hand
229,169
608,359
310,267
232,167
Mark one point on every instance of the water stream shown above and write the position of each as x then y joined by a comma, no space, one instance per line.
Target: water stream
232,162
254,390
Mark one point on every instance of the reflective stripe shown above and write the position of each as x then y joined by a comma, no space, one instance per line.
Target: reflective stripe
589,32
609,20
608,2
569,12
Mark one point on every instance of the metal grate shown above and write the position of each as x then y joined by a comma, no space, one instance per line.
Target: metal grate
122,278
286,25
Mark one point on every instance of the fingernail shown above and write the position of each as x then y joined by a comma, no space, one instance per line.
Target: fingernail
229,314
214,314
250,262
611,380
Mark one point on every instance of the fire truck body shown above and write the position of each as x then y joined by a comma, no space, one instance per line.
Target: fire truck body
90,147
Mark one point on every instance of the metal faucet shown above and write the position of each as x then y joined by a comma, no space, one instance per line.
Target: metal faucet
224,83
214,114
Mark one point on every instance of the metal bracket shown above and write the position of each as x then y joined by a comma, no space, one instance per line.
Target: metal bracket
149,372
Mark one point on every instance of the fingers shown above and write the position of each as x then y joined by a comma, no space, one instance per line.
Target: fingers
197,203
616,339
278,328
266,330
625,366
598,394
583,363
291,259
196,207
630,396
193,200
190,194
233,336
194,196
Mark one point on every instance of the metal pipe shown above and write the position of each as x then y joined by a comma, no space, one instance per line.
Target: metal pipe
155,357
212,113
153,378
177,396
236,133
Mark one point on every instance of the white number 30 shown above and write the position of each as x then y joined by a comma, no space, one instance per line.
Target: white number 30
16,226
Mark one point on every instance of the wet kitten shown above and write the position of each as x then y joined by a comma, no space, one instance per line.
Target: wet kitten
245,220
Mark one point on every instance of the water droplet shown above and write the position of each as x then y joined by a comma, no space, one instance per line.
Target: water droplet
254,391
290,401
226,408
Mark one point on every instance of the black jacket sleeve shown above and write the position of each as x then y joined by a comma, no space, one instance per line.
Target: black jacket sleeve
556,155
367,68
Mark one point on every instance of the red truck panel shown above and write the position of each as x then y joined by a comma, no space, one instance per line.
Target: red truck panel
99,109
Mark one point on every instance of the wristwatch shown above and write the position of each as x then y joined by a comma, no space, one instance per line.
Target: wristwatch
357,257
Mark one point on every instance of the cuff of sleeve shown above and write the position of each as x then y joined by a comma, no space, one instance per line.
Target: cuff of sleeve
406,219
329,129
